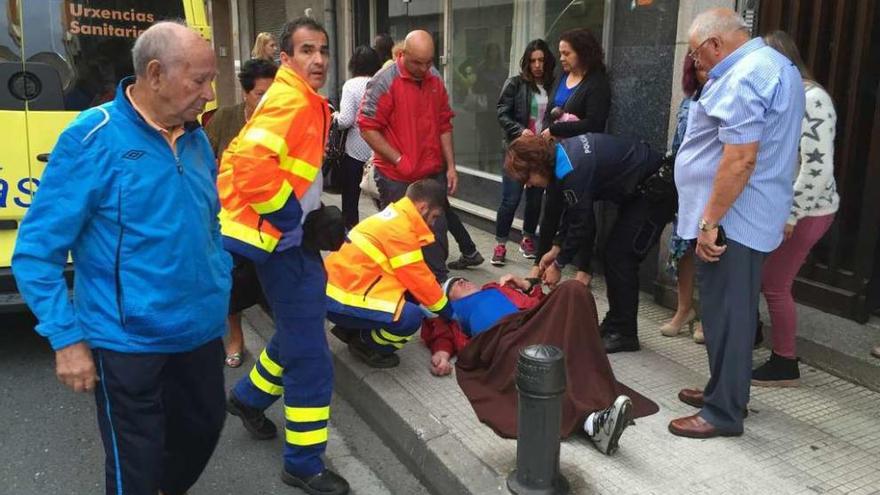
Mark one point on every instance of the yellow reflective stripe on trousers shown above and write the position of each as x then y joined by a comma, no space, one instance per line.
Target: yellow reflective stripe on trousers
368,248
359,301
271,367
263,384
381,341
268,139
306,414
305,438
437,306
406,258
393,338
276,202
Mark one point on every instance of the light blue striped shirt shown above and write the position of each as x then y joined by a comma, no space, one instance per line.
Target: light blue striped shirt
755,94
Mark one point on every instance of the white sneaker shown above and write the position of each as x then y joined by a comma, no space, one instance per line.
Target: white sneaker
609,424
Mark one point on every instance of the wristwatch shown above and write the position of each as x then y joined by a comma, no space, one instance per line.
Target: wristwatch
705,226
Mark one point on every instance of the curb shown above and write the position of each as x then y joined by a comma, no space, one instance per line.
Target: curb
431,452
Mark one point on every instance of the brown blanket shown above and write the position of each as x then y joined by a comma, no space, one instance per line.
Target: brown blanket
486,368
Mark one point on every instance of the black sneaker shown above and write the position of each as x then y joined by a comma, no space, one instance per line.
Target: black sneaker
466,261
254,420
778,371
614,342
371,357
609,424
324,483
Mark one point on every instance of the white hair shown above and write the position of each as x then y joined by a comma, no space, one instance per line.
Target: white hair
162,42
716,22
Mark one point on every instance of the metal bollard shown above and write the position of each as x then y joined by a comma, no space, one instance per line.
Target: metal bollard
540,380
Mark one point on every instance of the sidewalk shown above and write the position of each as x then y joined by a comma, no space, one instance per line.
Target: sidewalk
823,437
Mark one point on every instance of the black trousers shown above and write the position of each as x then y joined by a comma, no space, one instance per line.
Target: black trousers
160,417
636,230
350,174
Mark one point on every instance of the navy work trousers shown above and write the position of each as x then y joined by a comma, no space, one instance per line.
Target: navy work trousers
297,360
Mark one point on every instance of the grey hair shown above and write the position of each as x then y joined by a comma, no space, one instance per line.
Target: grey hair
716,22
161,42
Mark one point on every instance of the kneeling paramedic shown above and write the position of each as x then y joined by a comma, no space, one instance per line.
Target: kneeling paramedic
270,187
382,262
584,169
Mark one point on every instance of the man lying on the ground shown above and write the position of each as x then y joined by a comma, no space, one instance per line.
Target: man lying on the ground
490,327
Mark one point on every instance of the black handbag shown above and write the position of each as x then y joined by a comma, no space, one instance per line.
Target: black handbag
324,229
334,153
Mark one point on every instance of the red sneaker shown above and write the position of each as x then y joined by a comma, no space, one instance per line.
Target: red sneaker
499,257
527,248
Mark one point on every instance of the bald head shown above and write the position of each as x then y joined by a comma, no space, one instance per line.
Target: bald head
174,68
165,42
418,53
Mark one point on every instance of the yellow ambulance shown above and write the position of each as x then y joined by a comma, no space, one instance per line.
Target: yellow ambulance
57,58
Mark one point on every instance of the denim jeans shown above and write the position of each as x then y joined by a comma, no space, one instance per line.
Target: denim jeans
511,193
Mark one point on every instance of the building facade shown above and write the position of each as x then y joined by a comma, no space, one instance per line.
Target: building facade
480,42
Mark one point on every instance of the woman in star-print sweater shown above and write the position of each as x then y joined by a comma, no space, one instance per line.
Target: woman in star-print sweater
812,212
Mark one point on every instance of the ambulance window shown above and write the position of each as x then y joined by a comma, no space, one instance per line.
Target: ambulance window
84,49
10,54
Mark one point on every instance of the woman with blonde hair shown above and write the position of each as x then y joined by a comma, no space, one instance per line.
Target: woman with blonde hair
265,47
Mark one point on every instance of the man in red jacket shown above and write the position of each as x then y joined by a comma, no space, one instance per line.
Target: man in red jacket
406,120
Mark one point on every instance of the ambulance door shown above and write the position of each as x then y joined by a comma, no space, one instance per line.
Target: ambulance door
14,88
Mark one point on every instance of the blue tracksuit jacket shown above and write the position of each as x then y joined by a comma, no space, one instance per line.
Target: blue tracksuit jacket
140,221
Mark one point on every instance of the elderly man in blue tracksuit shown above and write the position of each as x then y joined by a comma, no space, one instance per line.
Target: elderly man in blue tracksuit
130,191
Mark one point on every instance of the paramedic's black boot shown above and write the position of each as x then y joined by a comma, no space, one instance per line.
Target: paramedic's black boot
254,420
324,483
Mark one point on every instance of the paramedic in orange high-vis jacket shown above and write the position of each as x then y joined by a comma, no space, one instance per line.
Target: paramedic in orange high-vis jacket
269,183
377,280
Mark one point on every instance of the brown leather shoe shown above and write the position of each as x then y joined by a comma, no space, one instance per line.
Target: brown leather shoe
876,352
692,397
697,427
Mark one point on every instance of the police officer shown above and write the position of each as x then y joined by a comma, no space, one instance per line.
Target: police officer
578,171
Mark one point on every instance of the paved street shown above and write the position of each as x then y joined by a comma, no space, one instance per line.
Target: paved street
50,442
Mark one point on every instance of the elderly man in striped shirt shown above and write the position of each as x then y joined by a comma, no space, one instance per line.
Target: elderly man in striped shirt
734,176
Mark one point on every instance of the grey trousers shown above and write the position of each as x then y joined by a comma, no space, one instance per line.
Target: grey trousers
729,308
435,254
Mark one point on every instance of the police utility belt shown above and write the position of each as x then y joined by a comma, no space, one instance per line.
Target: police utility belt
660,186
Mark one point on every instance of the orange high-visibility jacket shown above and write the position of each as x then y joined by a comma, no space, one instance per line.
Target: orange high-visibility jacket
271,165
383,259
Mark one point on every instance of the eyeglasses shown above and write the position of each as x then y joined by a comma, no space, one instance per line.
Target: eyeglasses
693,53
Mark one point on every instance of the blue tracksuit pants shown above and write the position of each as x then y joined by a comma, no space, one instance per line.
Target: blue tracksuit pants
383,336
297,362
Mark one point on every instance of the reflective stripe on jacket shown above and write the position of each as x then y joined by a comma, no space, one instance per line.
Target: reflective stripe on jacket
380,261
270,168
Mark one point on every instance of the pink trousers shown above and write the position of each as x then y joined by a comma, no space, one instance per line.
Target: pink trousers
779,271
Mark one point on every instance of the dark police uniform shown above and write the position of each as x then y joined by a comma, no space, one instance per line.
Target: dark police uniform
593,167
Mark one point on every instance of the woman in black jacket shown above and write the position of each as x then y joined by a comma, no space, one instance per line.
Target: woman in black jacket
583,91
521,110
